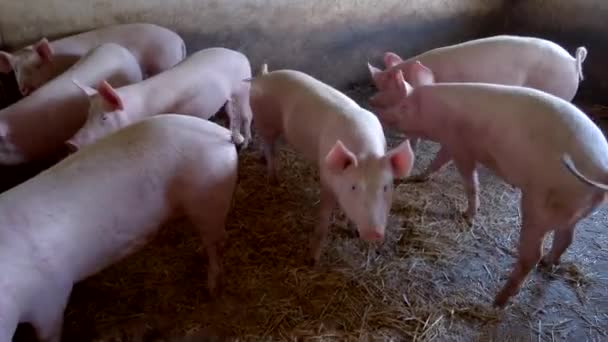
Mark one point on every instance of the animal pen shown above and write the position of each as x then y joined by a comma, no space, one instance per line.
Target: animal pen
433,278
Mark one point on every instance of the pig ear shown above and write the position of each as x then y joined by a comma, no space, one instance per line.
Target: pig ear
399,82
373,70
391,59
6,64
378,76
339,158
420,74
110,96
86,89
44,50
401,159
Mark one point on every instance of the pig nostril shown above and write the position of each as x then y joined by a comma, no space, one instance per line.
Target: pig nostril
373,235
71,147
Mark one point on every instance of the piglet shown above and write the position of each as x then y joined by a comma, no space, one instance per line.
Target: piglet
524,136
105,202
345,141
198,86
156,49
504,59
37,126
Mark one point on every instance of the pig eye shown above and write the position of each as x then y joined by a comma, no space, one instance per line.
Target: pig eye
353,188
104,118
385,188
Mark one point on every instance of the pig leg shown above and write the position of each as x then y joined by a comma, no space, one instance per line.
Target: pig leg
211,222
564,234
468,172
269,154
268,137
326,206
244,110
529,252
562,239
9,316
235,121
47,316
441,158
414,142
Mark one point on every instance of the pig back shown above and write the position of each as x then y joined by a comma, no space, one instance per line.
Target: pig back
508,60
307,106
496,123
105,201
108,61
39,124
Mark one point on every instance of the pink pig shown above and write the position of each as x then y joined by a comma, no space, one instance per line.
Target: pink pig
525,136
345,140
105,202
37,126
509,60
199,86
156,49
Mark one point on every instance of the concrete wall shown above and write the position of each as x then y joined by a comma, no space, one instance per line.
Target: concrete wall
330,39
571,23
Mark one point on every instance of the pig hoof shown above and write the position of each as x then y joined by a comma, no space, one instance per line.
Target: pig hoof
468,219
500,301
273,180
313,260
547,263
398,181
417,179
238,139
352,229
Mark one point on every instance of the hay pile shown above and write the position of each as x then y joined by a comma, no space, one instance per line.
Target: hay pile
433,279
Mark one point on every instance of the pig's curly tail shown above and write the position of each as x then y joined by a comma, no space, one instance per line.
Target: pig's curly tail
581,54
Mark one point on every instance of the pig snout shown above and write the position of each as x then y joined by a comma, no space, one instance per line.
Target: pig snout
25,90
71,146
373,234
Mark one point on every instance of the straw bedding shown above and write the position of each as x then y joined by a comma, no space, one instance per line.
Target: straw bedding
433,279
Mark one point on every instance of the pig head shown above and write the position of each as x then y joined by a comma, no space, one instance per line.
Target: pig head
363,185
105,115
32,65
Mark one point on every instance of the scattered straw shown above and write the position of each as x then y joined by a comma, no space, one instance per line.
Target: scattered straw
434,278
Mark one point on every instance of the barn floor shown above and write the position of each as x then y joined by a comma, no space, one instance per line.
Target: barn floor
433,279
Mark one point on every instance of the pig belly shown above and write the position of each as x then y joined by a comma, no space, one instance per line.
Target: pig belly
302,132
203,104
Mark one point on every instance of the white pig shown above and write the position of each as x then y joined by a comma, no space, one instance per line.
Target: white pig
105,202
504,59
156,48
345,141
37,126
199,86
524,136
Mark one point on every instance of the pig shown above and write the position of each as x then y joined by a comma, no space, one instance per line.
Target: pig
37,126
77,217
156,48
526,137
199,86
503,59
344,140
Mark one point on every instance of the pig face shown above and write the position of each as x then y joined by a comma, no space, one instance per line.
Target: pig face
380,78
363,185
106,115
30,64
393,104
